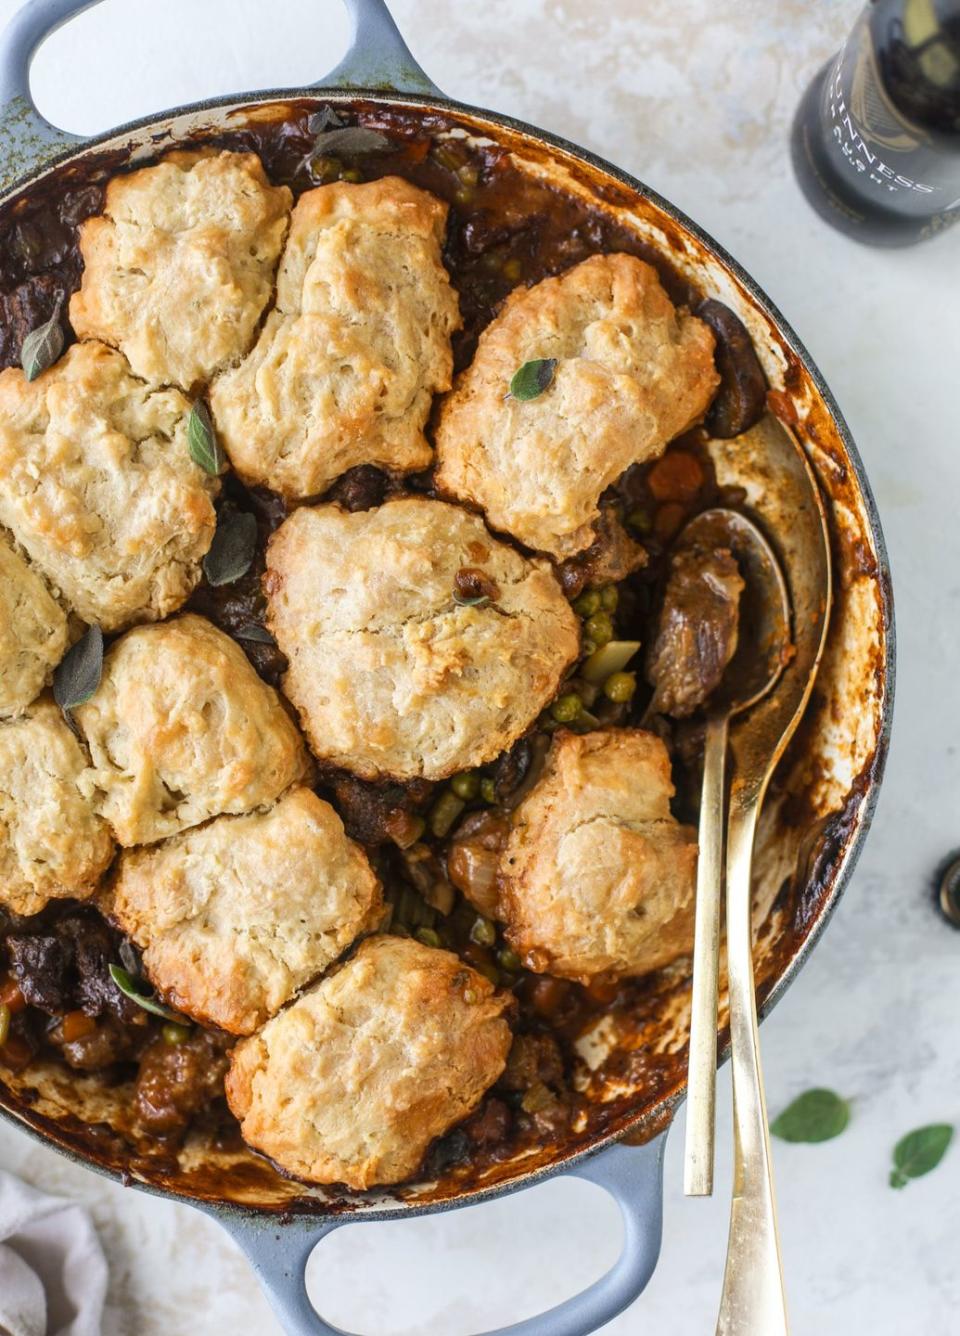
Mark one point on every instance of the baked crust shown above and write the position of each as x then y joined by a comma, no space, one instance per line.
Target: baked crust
348,362
179,267
182,729
390,675
353,1081
33,633
632,373
234,918
52,843
98,487
597,876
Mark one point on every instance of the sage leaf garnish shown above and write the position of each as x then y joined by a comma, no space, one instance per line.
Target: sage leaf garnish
480,601
816,1115
918,1152
128,986
232,549
258,634
43,345
78,673
350,140
205,450
324,119
530,381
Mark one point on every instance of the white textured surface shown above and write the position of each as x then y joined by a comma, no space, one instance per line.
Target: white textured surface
695,98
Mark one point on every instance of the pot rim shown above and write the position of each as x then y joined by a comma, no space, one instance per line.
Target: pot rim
661,1118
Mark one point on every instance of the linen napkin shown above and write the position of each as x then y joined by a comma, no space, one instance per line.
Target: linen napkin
53,1274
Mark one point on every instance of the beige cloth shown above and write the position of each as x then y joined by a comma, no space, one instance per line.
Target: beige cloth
53,1274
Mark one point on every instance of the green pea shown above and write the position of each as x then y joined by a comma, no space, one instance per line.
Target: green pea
488,791
513,270
466,786
620,687
428,937
444,812
483,932
599,628
640,520
351,174
588,603
609,598
174,1033
489,972
464,195
468,174
566,708
508,959
587,647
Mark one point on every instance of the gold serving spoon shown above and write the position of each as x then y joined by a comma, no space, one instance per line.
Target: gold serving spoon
782,492
763,646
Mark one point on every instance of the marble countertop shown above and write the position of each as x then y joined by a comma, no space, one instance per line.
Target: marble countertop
696,99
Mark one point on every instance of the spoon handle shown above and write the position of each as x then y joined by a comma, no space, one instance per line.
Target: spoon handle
753,1301
702,1062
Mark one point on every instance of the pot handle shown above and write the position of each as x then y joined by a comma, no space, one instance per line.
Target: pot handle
28,139
378,57
633,1175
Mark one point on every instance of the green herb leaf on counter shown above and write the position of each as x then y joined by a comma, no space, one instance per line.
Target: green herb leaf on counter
232,549
128,986
43,345
350,140
918,1152
205,450
816,1115
78,673
530,381
258,634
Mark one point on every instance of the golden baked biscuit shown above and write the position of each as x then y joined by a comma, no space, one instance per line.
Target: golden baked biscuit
597,876
181,729
391,674
353,1081
97,485
52,843
33,632
179,266
348,362
234,918
632,372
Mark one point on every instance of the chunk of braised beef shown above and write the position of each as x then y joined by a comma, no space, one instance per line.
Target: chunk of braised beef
610,558
360,488
22,309
105,1046
177,1081
697,630
447,1153
741,399
534,1059
370,811
490,1125
94,948
42,965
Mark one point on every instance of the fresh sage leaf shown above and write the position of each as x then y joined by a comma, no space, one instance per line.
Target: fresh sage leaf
918,1152
480,601
128,986
348,141
129,958
258,634
816,1115
232,549
78,673
324,119
530,381
43,345
205,450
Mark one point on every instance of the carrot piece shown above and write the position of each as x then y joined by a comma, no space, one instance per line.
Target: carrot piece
76,1025
678,476
668,521
11,996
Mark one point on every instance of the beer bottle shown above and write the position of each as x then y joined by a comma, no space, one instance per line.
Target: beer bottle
876,139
